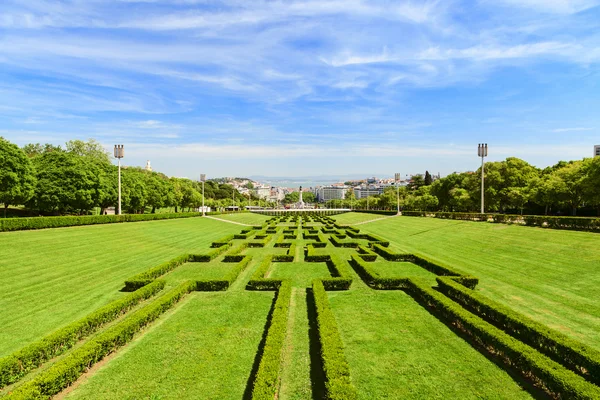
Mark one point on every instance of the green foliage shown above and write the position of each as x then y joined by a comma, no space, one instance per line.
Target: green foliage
541,370
337,372
67,370
19,224
16,365
17,177
267,377
574,355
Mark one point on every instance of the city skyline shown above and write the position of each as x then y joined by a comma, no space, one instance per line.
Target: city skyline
305,87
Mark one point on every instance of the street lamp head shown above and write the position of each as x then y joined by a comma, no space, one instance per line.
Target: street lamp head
202,177
119,151
482,150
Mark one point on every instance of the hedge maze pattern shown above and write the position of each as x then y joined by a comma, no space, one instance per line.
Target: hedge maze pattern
559,366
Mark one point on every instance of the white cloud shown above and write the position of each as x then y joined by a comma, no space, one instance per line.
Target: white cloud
578,129
553,6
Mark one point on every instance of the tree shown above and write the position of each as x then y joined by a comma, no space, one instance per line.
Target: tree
428,179
416,181
291,198
17,177
92,149
34,150
65,183
573,185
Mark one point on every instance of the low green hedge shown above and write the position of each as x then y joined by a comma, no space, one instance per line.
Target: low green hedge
260,242
338,243
310,255
571,353
366,254
143,279
258,281
372,278
215,285
543,372
68,369
267,376
338,383
20,224
542,221
464,279
19,363
342,278
223,241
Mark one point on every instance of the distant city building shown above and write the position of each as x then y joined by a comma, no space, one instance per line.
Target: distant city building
327,193
361,193
148,166
262,192
597,150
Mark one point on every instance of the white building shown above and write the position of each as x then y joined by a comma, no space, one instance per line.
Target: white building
262,191
327,193
597,150
361,193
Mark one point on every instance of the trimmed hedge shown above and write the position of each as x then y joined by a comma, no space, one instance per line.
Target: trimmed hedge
19,363
338,243
215,285
543,372
337,371
223,241
143,279
20,224
288,256
310,255
366,254
574,355
542,221
67,370
267,376
373,279
261,242
464,279
258,281
342,279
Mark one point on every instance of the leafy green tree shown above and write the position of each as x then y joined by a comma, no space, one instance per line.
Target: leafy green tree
133,190
34,150
291,198
17,177
416,181
428,179
92,149
65,183
573,187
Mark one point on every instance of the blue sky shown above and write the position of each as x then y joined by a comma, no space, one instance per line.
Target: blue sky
296,88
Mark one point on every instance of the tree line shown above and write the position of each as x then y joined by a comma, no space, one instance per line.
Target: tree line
52,180
511,186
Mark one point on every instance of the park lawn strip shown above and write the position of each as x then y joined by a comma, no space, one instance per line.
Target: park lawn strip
350,218
545,274
396,349
205,349
198,271
49,278
244,218
301,274
390,269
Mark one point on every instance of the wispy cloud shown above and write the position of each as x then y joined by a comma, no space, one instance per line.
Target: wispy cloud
578,129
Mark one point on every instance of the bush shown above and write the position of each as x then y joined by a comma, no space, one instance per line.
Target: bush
545,373
19,224
574,355
67,370
338,243
366,254
337,371
267,376
223,241
16,365
215,285
372,278
342,279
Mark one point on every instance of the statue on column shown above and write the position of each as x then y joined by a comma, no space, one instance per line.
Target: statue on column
300,202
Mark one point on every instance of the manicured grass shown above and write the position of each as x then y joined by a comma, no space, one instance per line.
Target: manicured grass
350,218
300,273
391,269
199,271
244,218
205,349
396,349
51,277
550,275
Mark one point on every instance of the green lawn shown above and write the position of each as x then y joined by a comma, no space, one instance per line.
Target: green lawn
550,275
199,271
51,277
350,218
396,350
300,273
244,218
205,349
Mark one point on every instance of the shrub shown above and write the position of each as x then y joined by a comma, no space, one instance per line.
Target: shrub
19,224
16,365
366,254
337,372
215,285
574,355
223,241
338,243
267,376
545,373
67,370
372,278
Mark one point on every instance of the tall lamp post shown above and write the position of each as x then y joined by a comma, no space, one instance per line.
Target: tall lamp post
203,179
482,151
397,178
119,153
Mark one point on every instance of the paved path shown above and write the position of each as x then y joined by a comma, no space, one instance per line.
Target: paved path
226,220
373,220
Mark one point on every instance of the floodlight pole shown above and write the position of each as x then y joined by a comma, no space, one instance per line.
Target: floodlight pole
119,153
203,179
397,179
482,151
